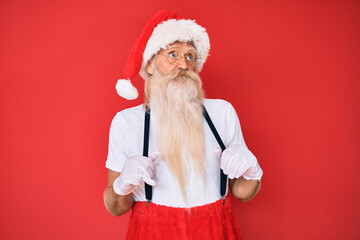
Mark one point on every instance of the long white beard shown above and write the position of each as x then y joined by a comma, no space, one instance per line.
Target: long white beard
176,101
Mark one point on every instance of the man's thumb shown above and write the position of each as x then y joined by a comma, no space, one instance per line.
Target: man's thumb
218,152
155,155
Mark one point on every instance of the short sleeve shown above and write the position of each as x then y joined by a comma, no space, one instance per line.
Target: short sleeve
235,133
116,153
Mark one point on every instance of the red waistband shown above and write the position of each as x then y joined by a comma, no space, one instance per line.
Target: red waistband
157,210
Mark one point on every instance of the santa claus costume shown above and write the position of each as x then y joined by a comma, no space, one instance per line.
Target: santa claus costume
161,212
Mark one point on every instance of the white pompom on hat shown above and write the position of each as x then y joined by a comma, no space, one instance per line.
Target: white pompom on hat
163,29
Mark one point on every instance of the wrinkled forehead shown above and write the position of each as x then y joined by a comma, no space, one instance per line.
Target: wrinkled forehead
186,46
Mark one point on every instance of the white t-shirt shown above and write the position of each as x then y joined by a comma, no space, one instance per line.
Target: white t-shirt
126,140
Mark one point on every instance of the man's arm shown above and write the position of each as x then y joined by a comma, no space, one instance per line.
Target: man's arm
116,204
243,189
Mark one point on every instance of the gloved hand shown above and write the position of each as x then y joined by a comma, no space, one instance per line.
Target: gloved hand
237,160
136,169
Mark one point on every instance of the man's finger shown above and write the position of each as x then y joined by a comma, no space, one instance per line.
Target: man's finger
218,152
155,155
149,181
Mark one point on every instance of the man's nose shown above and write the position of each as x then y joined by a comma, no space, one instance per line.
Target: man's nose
182,63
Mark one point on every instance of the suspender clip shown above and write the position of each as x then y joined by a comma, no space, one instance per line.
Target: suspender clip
223,198
147,203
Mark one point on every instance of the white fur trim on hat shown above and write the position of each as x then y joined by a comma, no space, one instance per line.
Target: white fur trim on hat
181,30
126,90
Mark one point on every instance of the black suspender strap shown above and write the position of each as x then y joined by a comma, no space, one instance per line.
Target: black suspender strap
148,188
223,177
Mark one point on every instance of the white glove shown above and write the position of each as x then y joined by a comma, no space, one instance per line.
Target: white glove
136,169
237,160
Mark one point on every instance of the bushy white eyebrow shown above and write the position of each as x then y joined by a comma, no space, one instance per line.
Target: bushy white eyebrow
192,49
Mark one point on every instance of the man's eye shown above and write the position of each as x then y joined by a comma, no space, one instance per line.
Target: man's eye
172,55
189,57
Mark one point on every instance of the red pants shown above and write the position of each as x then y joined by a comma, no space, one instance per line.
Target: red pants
212,221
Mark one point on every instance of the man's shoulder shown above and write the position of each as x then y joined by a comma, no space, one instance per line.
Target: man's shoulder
133,110
130,113
217,104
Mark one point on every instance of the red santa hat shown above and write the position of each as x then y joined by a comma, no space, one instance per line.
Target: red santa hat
163,29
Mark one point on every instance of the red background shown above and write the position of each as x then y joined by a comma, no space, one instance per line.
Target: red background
290,68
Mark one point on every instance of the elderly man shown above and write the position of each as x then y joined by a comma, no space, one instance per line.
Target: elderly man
173,159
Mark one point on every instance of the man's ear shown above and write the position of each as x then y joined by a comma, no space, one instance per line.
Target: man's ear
149,67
